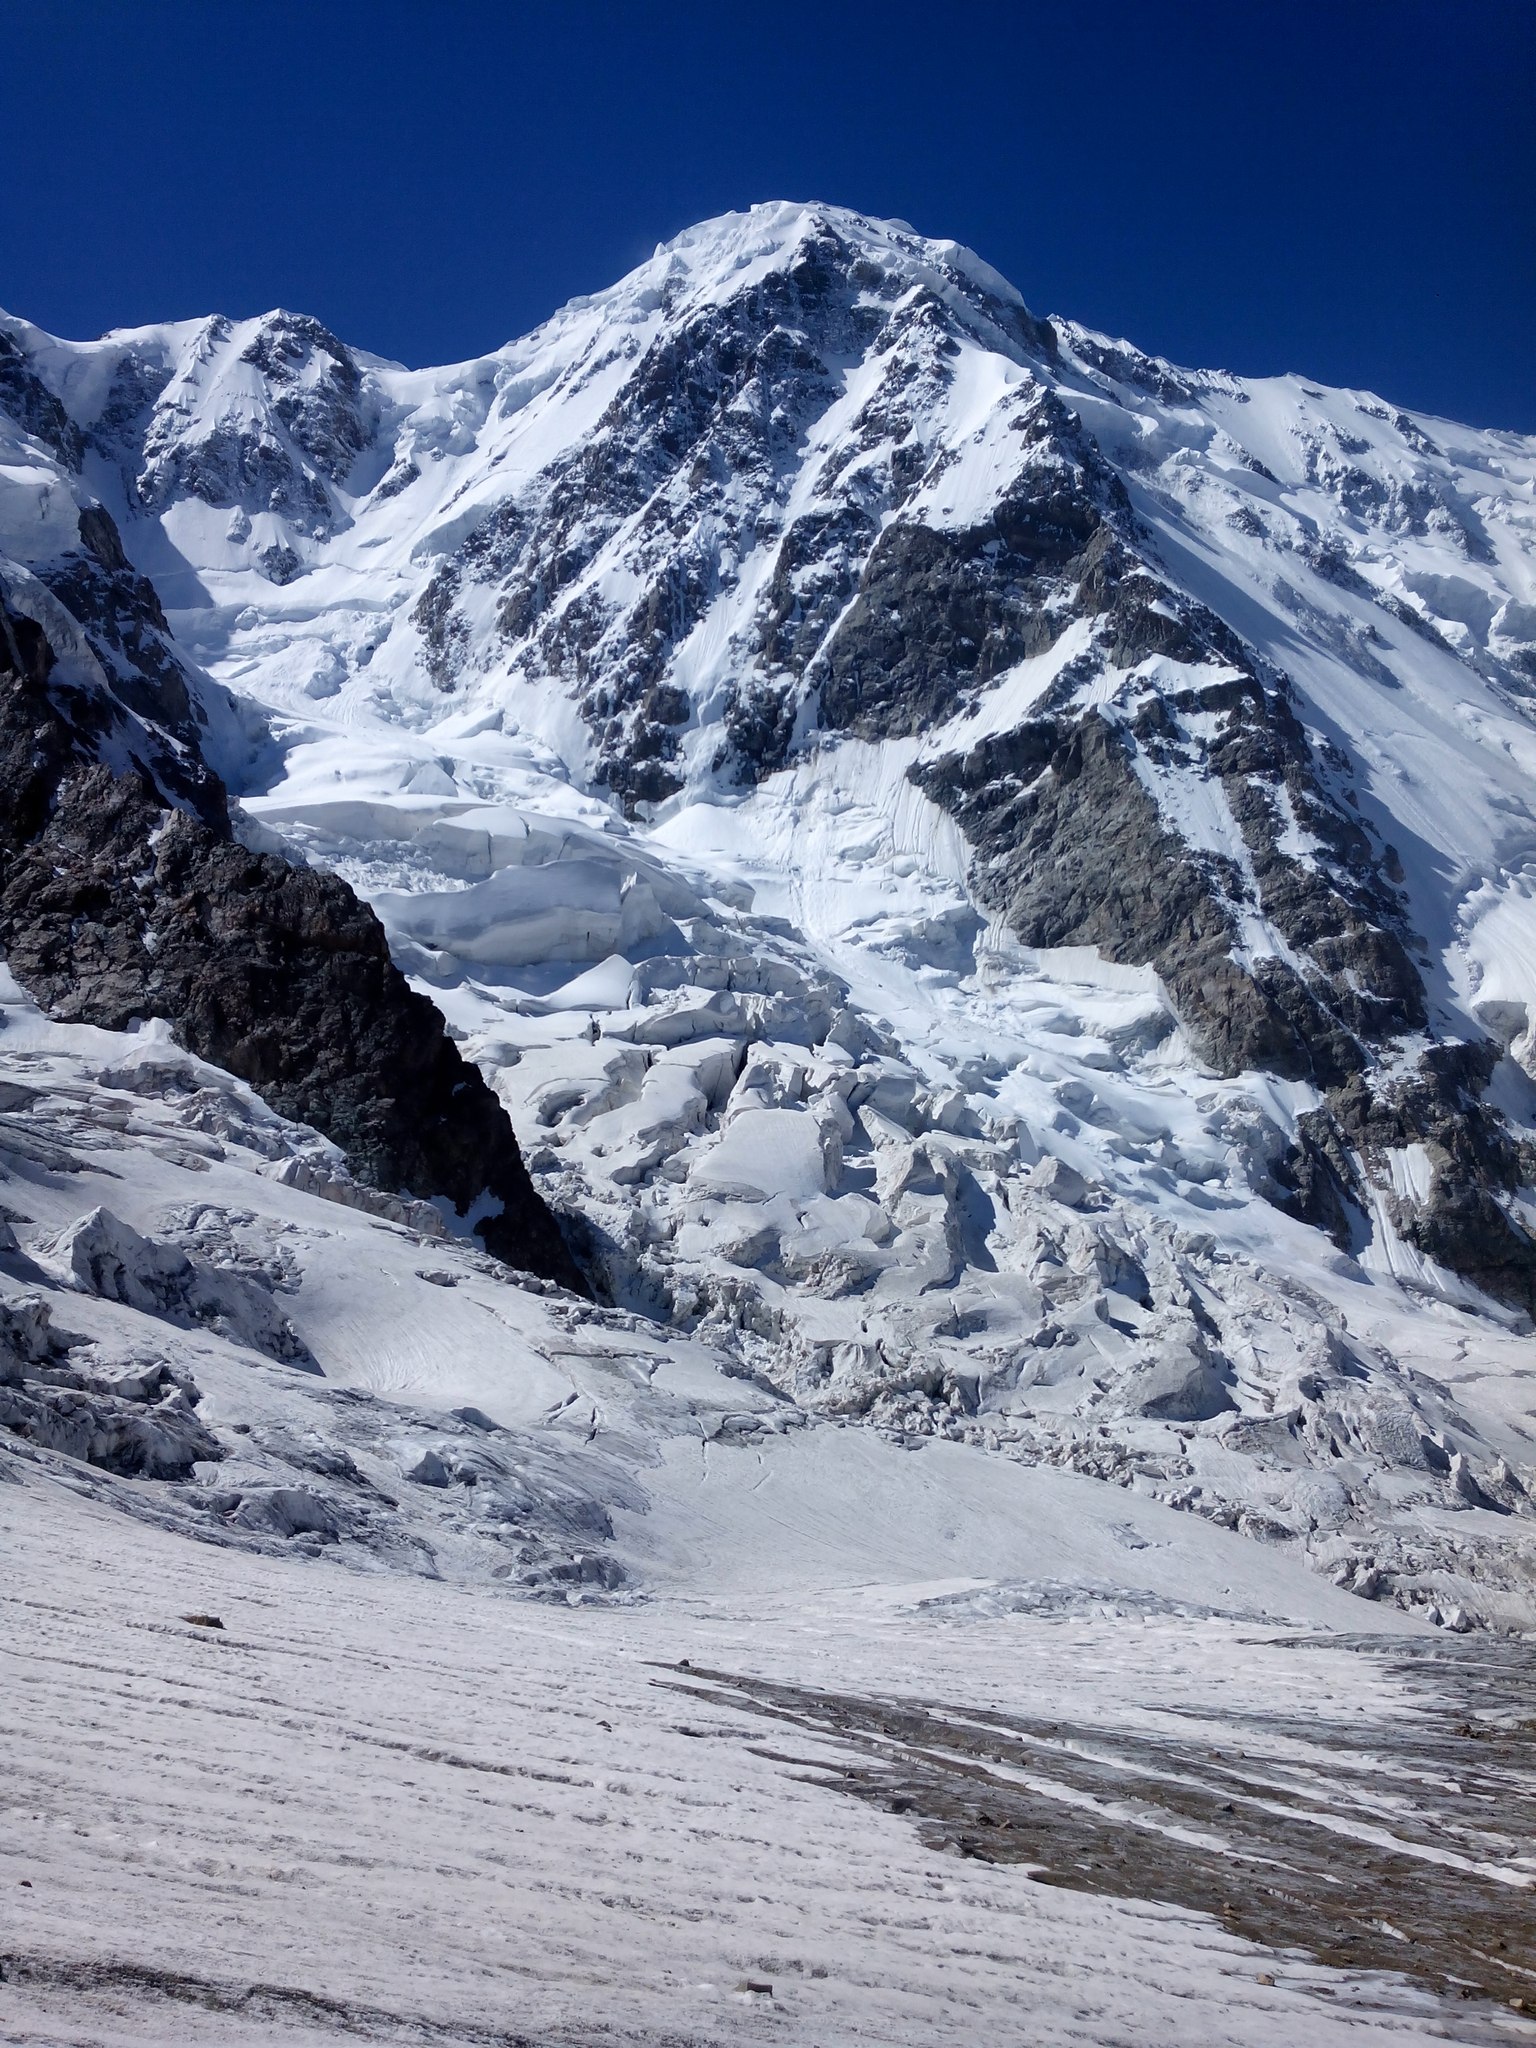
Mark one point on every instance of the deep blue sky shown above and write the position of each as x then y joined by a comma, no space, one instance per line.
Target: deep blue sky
1344,189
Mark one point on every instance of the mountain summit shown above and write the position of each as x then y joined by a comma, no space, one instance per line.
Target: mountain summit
992,874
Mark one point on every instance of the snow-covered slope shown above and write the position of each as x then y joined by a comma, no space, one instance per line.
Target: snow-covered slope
994,877
798,1720
993,873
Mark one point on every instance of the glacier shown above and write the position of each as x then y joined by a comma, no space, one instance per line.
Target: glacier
992,876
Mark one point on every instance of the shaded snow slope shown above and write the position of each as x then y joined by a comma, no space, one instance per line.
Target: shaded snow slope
991,869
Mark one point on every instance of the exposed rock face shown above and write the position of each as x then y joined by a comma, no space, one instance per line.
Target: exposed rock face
28,401
119,612
1072,849
1470,1152
114,907
729,394
943,611
1284,945
319,389
117,681
276,457
691,468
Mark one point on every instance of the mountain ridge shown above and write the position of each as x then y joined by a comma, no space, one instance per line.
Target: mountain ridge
935,823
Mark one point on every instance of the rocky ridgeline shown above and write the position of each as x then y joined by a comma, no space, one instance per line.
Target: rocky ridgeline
741,475
115,905
808,561
264,424
695,465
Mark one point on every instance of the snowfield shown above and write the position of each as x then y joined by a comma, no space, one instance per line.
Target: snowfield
391,1809
993,877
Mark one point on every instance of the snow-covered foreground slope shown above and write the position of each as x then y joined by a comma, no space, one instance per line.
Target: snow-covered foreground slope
284,1758
382,1809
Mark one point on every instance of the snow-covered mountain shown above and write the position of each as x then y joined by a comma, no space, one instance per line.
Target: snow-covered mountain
989,882
994,876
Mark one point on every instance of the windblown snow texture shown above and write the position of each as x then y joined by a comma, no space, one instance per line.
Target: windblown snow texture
994,873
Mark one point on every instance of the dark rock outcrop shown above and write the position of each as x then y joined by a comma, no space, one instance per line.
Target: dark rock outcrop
940,614
150,708
1072,848
318,387
28,401
281,458
116,905
1471,1156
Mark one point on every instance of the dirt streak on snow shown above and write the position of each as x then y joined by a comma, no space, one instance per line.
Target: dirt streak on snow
448,1812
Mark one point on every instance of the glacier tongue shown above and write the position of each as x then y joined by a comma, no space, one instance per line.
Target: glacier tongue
887,1162
989,870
